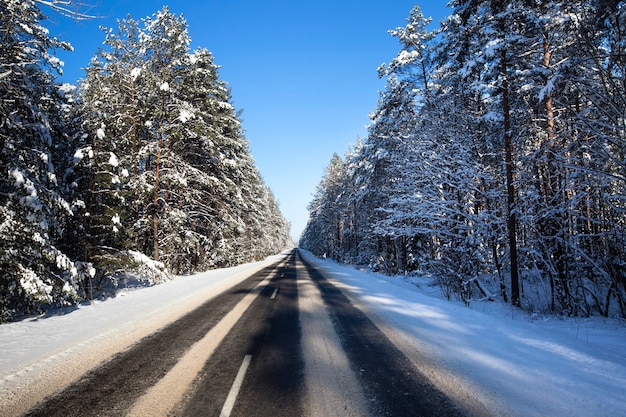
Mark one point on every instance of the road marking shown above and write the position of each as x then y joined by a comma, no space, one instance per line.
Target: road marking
274,293
234,390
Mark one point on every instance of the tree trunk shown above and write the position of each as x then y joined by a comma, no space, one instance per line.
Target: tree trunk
155,202
135,159
510,186
553,229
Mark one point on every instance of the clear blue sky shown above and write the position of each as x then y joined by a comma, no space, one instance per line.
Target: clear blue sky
304,73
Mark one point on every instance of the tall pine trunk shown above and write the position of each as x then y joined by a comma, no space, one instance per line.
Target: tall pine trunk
510,190
157,184
155,202
553,225
510,170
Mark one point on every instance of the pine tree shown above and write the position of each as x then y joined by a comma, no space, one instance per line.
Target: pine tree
414,61
486,52
33,271
324,230
108,165
592,96
385,149
186,182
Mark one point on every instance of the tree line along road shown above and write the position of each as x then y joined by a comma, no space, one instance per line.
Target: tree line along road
286,341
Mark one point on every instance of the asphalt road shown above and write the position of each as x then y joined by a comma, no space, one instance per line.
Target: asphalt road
284,342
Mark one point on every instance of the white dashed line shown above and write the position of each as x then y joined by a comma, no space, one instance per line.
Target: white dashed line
234,390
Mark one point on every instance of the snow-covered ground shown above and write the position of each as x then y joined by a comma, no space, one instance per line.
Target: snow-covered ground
514,364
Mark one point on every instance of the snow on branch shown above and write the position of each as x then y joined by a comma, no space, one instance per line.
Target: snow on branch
68,8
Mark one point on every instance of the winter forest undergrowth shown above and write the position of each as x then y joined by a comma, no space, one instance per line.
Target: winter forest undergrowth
495,159
138,172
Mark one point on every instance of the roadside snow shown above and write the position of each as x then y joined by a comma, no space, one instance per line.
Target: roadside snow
515,365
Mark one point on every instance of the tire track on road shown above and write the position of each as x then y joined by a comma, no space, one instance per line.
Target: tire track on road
332,387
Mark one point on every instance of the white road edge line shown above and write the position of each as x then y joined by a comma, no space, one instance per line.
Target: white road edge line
274,293
234,390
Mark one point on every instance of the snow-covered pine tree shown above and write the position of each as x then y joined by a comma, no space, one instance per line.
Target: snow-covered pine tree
33,271
464,106
206,222
415,59
386,149
355,221
324,231
214,160
186,163
194,186
108,162
165,42
397,118
588,83
275,229
487,54
544,30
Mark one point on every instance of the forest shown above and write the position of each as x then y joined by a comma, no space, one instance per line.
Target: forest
495,159
140,171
